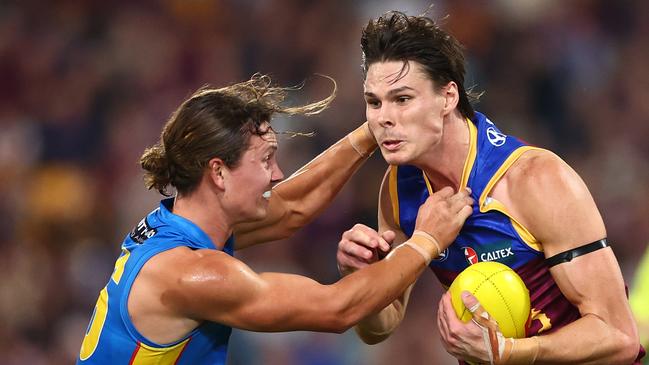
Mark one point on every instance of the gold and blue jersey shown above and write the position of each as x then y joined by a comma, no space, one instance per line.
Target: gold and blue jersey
490,233
111,337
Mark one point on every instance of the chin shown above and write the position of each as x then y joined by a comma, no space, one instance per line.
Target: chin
254,215
261,213
396,158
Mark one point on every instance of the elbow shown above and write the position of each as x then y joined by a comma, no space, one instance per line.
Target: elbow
371,338
625,350
341,327
629,349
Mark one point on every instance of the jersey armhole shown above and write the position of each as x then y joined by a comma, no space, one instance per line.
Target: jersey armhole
487,203
123,305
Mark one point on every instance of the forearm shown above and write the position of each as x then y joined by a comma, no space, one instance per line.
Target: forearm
369,293
292,302
371,289
300,198
591,341
310,189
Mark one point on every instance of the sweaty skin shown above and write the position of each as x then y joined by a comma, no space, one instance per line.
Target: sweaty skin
417,123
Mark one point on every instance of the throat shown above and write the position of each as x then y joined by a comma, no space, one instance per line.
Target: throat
438,181
445,165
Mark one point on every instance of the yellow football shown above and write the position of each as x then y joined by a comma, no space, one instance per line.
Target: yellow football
500,291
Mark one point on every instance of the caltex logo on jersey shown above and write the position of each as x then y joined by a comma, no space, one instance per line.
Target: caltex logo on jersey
501,251
471,255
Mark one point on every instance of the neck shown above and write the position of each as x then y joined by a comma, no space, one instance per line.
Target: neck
444,163
208,217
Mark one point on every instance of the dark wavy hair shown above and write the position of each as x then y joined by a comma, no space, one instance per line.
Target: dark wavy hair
215,123
395,36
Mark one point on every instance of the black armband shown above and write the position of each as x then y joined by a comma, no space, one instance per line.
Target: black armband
567,256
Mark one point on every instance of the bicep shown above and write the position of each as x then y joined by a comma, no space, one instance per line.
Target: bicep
561,213
553,202
224,290
594,284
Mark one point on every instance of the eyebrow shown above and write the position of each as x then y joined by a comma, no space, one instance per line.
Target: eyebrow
392,92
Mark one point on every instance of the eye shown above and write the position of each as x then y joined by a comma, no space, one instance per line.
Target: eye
266,160
373,103
402,99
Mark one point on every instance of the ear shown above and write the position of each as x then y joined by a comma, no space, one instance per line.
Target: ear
451,97
217,172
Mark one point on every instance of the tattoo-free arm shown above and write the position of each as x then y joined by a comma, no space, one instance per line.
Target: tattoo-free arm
555,204
219,288
305,194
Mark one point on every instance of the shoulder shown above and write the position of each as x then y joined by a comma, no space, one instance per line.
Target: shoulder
538,173
552,200
191,281
184,268
542,177
183,262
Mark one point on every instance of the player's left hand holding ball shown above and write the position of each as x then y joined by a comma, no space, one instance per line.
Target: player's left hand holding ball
480,340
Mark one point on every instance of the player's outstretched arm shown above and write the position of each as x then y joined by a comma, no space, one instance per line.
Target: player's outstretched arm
549,198
360,251
219,288
306,193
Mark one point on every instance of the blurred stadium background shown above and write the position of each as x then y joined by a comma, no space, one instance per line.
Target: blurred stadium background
85,86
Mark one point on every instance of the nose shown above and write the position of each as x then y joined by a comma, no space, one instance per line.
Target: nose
277,175
384,117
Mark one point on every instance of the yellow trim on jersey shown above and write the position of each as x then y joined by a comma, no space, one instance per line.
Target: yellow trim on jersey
147,355
494,204
119,266
468,163
394,195
428,186
471,156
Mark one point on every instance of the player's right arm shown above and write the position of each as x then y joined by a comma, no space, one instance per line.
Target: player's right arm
219,288
355,254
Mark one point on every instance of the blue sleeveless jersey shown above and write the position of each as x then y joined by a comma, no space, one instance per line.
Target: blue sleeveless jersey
111,337
490,233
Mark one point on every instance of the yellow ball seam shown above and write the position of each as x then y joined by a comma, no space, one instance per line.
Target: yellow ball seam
509,309
502,297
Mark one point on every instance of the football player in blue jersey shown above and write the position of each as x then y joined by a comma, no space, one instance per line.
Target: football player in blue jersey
533,212
176,290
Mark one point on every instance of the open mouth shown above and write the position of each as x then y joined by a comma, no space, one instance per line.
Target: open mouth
392,144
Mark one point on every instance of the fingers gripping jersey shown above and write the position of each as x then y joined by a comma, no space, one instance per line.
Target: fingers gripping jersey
111,337
489,234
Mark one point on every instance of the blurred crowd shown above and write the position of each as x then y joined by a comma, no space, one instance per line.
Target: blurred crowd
85,86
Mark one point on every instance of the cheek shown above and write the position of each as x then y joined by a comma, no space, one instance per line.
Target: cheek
370,114
374,126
